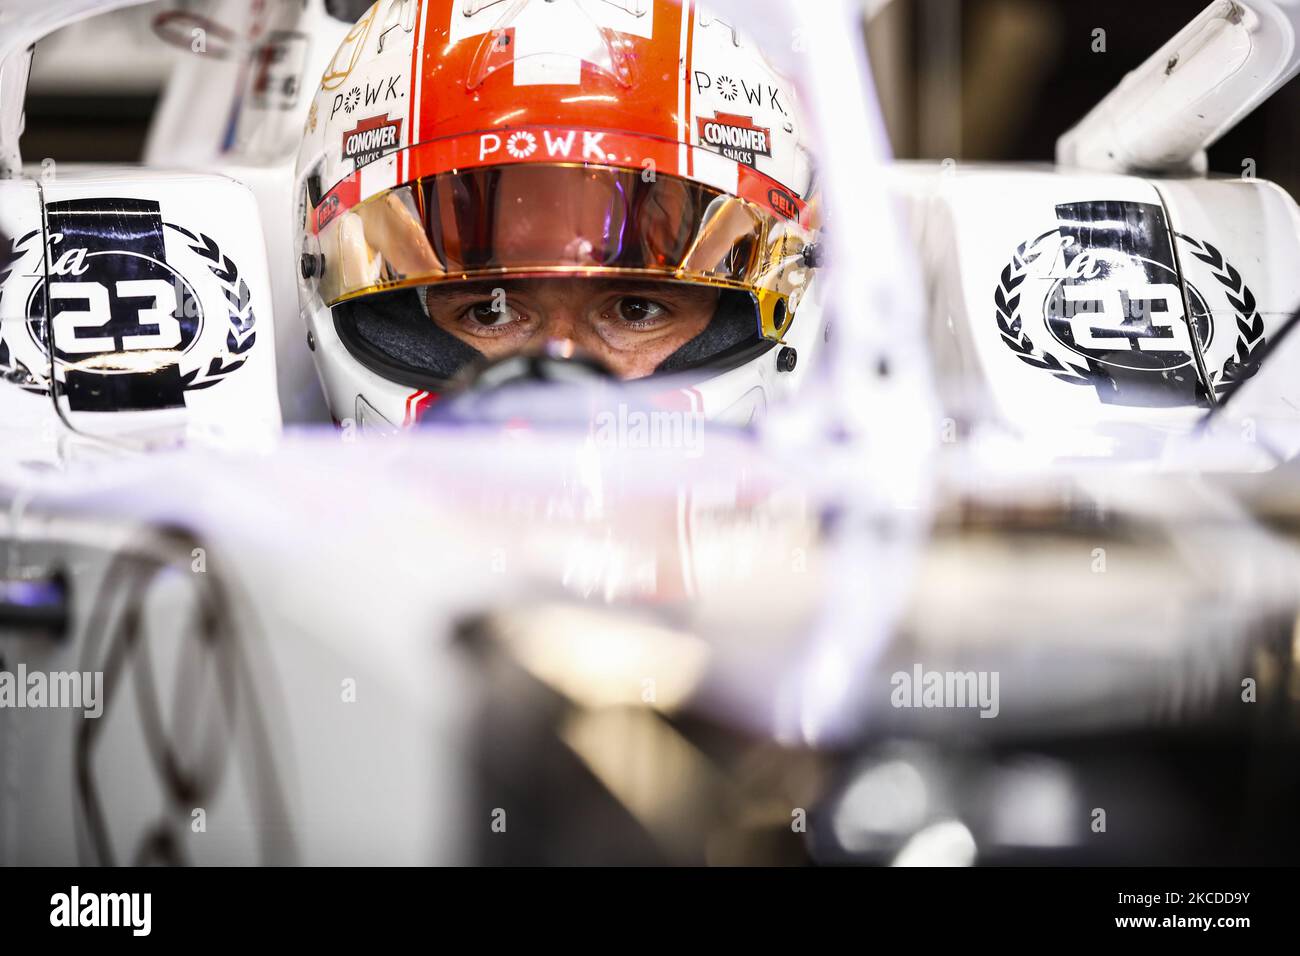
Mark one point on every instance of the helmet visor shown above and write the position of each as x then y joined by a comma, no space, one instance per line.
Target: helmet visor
553,220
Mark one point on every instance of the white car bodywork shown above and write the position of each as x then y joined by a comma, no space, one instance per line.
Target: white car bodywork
1058,298
304,646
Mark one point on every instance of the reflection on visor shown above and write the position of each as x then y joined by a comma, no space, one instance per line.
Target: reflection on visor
552,220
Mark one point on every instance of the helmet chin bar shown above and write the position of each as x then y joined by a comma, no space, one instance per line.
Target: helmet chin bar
392,336
545,387
734,326
556,362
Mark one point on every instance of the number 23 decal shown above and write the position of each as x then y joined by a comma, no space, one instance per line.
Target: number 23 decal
154,326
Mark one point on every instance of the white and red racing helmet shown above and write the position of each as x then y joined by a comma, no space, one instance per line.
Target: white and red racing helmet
462,147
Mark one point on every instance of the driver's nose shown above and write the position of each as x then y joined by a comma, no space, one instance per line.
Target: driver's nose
561,324
561,348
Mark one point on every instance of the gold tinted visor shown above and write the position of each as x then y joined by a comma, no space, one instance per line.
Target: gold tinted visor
535,221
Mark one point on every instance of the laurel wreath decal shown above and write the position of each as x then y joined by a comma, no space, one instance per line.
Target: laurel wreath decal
1240,366
15,372
1250,324
239,305
1007,301
239,339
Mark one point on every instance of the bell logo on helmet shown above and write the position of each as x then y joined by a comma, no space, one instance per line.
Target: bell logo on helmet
371,139
735,137
330,207
782,203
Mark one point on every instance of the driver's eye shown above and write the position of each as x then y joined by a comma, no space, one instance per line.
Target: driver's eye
636,309
491,314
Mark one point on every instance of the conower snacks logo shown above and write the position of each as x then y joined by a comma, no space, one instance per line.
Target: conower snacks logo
735,137
371,139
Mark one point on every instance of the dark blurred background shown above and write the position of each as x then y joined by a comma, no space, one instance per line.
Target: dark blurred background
94,87
1001,79
966,79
